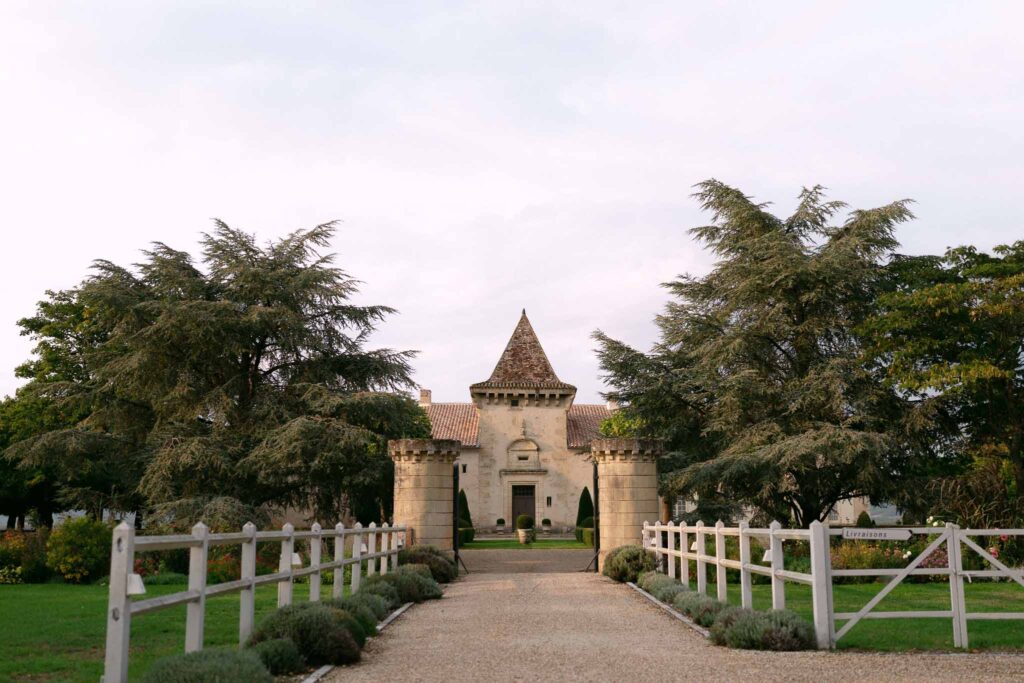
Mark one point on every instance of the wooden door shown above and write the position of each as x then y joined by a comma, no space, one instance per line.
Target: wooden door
523,502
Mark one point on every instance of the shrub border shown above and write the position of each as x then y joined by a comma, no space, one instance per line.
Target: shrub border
327,668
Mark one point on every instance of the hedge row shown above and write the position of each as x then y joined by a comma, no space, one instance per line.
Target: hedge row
311,634
733,626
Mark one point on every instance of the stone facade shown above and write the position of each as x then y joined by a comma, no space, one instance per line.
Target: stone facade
525,445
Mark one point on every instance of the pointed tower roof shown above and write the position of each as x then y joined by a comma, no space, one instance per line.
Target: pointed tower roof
523,364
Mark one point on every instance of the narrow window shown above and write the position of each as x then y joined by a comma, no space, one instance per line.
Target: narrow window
463,469
549,501
524,458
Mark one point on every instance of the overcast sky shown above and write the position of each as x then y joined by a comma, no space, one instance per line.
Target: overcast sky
489,157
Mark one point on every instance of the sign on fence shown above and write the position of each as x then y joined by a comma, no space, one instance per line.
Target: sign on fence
877,534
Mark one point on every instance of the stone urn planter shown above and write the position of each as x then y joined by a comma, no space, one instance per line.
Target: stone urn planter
525,529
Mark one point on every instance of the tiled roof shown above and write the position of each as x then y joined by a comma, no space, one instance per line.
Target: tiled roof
523,364
454,421
460,421
584,424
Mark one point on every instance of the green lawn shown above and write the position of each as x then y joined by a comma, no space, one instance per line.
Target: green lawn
514,544
907,634
56,632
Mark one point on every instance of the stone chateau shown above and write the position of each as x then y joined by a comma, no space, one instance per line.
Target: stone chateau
525,444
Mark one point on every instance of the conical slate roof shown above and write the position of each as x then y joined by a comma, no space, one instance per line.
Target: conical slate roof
523,364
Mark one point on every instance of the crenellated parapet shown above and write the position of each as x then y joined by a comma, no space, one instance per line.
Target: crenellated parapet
424,450
626,450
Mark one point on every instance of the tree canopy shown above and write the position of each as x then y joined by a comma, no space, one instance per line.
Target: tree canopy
244,378
950,333
757,383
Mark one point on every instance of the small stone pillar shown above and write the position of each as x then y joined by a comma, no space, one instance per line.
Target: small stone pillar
423,488
627,486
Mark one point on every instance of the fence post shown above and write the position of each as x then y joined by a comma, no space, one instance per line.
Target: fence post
820,586
720,581
684,564
702,570
957,600
394,549
746,592
314,560
385,539
284,588
195,611
645,543
371,563
671,551
357,552
339,555
778,583
247,596
119,615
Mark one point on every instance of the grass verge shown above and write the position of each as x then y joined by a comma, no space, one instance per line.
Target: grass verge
56,632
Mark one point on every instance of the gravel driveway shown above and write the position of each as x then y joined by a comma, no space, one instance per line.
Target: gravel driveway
584,627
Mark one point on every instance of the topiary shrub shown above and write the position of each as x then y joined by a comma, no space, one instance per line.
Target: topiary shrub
209,666
626,562
79,550
321,633
775,630
500,521
466,532
724,621
524,522
864,520
280,656
442,568
587,523
545,522
587,537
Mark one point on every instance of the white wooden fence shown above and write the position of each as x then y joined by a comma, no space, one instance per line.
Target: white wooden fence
671,542
368,545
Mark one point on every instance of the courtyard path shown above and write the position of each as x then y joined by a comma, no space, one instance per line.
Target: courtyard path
584,627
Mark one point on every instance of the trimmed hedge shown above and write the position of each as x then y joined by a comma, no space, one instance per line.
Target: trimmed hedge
781,630
411,586
442,568
366,617
626,562
587,537
726,618
384,590
320,632
209,666
280,656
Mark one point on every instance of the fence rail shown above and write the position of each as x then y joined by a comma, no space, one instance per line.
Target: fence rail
669,542
124,583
